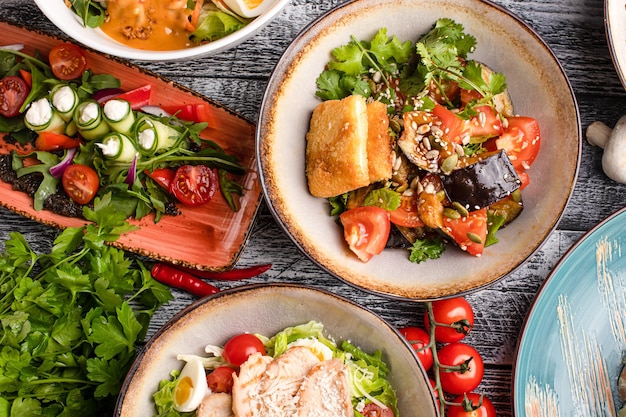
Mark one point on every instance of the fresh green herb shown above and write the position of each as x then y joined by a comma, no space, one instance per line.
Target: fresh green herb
229,188
91,12
494,223
424,249
49,184
384,198
338,204
71,318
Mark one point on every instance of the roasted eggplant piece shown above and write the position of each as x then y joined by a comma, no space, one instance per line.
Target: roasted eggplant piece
509,208
482,183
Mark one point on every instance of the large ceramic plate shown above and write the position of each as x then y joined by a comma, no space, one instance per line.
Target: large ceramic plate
68,22
504,43
615,25
208,237
268,309
569,353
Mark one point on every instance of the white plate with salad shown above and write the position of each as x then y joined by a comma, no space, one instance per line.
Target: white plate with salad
346,54
202,30
270,322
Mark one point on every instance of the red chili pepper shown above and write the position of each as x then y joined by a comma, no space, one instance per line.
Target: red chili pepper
232,275
180,279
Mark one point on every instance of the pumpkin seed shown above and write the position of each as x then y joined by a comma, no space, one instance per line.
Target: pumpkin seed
474,237
395,125
459,207
451,213
448,164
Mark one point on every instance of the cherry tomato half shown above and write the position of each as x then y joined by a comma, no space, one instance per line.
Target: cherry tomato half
194,185
80,182
366,230
240,347
457,317
419,339
374,410
221,379
162,176
486,408
13,93
68,61
468,359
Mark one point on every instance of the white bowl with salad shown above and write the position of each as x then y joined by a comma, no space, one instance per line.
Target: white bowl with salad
244,334
467,185
161,30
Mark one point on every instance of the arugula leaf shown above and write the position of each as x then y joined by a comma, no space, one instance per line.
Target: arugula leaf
424,249
229,189
49,183
91,12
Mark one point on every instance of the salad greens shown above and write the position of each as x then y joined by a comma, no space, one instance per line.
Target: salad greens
139,196
71,318
367,372
384,68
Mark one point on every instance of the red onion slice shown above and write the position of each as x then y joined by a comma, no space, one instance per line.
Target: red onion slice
58,170
106,94
132,171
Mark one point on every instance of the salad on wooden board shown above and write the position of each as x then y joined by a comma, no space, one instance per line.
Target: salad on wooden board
167,24
297,372
78,134
415,145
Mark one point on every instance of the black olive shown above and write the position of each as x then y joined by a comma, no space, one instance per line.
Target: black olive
482,183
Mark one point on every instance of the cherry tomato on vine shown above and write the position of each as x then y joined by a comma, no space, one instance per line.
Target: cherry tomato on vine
486,408
68,61
471,365
455,312
80,182
419,339
221,379
240,347
194,185
374,410
13,93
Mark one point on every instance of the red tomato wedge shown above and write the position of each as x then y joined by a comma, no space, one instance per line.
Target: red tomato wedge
486,124
162,176
454,127
468,232
406,215
194,185
521,140
221,379
50,141
366,230
138,98
13,93
68,61
81,183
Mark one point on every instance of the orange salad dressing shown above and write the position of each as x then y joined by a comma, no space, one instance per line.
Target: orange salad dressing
158,25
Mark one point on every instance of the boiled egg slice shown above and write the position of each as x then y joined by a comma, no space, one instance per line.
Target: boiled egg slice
323,352
191,387
244,8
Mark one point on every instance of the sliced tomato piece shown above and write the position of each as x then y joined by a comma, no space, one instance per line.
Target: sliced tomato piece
521,139
468,232
194,185
68,61
162,176
50,141
468,95
138,97
486,124
80,182
454,127
406,215
366,230
13,93
199,113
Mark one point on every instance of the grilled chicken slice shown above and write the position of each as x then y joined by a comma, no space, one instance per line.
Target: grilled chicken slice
219,404
326,391
246,385
282,380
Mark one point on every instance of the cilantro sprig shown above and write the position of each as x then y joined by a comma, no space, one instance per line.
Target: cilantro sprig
71,319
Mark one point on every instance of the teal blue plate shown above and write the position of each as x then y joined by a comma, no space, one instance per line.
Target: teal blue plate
569,354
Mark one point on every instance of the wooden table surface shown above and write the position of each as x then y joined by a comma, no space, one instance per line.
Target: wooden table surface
574,29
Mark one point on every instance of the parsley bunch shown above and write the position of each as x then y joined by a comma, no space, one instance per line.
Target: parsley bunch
70,319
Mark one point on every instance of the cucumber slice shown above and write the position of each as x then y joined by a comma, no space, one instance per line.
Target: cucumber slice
154,136
119,115
117,147
90,121
42,117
